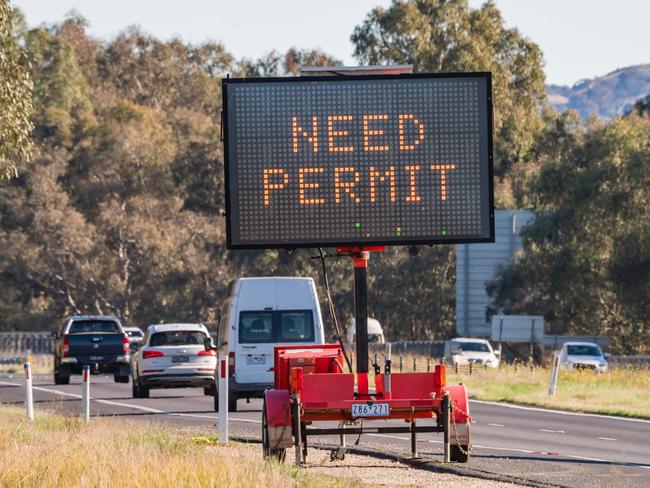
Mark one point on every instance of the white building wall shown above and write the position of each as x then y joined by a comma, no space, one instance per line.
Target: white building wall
476,265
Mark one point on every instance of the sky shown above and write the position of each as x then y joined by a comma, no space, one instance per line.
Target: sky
580,38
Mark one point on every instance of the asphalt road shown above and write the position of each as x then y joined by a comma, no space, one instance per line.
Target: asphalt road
540,446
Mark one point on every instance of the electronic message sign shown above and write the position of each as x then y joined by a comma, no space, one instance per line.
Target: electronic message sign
358,160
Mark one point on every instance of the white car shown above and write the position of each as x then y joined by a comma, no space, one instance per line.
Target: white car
174,356
135,336
463,351
583,355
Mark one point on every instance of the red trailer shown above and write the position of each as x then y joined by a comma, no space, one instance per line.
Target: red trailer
312,387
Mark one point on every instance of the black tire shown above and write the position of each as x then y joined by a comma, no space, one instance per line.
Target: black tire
135,391
278,454
61,380
232,401
459,454
120,379
139,391
210,391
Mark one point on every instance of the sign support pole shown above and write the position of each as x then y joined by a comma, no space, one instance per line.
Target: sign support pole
360,260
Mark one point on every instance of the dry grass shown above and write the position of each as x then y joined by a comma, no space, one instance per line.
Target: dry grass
621,391
41,364
63,451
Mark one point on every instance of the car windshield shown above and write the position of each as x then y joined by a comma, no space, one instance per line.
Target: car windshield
134,333
178,338
276,326
93,326
473,346
584,350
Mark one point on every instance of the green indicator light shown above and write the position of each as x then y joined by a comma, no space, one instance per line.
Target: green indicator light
398,233
444,232
357,225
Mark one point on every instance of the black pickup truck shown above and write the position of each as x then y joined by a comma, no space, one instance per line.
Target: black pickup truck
97,341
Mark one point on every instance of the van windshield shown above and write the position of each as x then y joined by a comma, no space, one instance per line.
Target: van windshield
473,346
276,326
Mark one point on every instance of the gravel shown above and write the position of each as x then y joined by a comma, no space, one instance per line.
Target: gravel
370,471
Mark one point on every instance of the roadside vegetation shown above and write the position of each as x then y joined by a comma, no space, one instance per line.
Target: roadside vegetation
63,451
621,391
41,364
125,187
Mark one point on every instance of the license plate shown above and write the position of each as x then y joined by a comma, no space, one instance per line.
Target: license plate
180,359
96,358
258,359
370,410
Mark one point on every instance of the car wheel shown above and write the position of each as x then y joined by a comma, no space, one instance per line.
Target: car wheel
135,391
60,379
232,401
210,391
120,379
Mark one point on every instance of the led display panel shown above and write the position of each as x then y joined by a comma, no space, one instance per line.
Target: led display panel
358,160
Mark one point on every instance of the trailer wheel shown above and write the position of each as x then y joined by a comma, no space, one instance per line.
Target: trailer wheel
269,452
459,454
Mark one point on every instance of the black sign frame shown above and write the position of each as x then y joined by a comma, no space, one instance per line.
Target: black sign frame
366,242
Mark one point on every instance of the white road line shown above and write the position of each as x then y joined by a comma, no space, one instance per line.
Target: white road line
607,439
560,412
136,407
552,431
390,436
631,465
509,449
210,417
583,458
497,425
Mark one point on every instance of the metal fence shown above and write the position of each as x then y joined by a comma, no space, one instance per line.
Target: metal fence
432,349
16,343
629,361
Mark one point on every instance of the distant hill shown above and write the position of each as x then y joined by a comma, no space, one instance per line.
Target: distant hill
606,96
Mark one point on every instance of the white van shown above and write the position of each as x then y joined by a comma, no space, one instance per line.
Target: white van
259,314
375,331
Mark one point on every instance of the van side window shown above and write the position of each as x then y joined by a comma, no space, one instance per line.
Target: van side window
255,327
